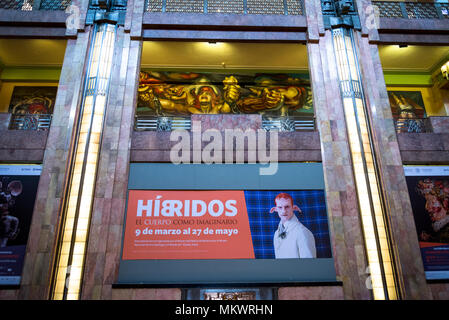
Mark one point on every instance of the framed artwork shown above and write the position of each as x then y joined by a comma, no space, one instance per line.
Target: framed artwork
32,100
407,104
18,189
408,111
428,187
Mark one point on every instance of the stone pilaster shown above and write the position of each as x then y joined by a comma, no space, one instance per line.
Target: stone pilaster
104,247
405,244
36,275
344,220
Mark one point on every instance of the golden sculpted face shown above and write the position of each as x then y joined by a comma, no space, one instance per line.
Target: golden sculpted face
184,94
176,92
205,98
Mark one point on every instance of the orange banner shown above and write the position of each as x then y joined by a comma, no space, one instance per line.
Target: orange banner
187,225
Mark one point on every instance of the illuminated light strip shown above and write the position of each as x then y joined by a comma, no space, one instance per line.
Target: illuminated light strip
70,259
367,184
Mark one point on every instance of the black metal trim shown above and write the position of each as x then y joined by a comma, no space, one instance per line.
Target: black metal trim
220,285
9,286
435,281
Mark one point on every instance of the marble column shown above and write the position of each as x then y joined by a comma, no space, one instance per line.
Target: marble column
405,246
344,220
110,192
37,270
445,97
108,215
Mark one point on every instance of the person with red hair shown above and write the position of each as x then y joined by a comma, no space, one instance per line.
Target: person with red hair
292,239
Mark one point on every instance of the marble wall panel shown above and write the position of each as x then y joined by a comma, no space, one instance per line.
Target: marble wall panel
311,293
222,122
105,235
315,24
155,146
344,221
399,216
146,294
19,146
4,120
21,155
440,291
439,124
134,18
36,277
424,148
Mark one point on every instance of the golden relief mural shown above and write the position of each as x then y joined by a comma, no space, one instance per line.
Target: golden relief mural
407,108
32,100
183,94
407,104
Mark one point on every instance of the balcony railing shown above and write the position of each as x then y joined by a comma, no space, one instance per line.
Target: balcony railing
288,124
387,9
281,124
153,123
412,10
268,7
30,122
32,5
422,125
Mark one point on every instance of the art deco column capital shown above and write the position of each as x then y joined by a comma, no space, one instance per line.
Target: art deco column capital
106,11
340,13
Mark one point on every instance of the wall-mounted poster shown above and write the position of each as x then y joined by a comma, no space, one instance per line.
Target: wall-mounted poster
408,109
226,224
428,187
18,187
32,100
183,94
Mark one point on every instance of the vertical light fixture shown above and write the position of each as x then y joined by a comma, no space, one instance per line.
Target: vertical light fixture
365,168
81,187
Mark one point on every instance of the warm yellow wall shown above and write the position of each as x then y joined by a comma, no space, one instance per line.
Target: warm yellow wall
7,88
291,57
432,102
